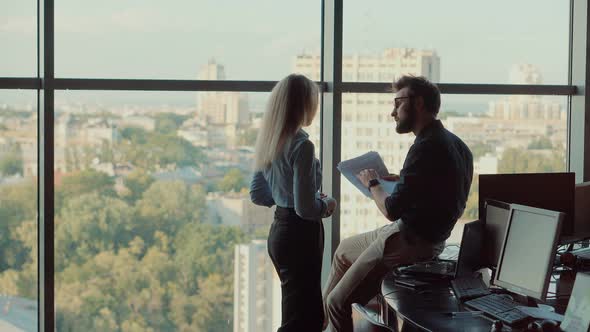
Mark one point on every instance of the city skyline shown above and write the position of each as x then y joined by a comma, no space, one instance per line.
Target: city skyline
152,209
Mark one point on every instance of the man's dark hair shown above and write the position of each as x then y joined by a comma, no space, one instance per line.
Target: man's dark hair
420,86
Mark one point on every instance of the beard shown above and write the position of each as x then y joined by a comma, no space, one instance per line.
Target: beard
407,125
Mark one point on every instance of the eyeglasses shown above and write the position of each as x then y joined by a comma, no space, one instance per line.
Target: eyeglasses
398,101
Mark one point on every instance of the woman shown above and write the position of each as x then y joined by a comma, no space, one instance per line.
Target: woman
288,175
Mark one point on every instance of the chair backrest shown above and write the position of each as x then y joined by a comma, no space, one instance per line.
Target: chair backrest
363,321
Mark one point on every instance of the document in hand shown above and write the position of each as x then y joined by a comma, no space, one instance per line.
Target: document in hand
350,168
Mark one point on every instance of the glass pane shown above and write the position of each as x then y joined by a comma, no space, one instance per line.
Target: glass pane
18,37
457,42
18,210
233,40
155,230
506,134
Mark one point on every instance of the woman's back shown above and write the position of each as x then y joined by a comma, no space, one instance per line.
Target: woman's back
292,180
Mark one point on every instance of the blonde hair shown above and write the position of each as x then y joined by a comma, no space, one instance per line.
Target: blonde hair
292,104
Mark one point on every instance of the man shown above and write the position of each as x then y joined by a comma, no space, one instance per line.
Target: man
430,196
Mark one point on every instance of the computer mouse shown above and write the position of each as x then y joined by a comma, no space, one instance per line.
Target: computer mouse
497,326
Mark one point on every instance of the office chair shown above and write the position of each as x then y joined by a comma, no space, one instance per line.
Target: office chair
364,321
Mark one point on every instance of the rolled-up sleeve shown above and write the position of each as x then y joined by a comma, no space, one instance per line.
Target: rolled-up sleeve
307,204
260,192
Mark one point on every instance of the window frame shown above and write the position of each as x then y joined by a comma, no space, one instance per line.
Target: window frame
332,88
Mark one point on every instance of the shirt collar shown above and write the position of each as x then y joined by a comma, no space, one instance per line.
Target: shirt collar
302,133
427,131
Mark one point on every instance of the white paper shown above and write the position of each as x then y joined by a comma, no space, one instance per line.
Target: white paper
370,160
539,313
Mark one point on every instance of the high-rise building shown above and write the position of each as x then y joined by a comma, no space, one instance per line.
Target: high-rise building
525,73
526,107
383,67
257,289
219,107
367,123
221,114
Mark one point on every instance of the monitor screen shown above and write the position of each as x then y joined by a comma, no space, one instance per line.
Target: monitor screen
526,261
496,221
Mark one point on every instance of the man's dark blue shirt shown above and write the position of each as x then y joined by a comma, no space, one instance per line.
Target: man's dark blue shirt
434,184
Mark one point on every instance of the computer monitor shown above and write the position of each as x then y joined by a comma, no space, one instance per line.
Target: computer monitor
496,221
526,260
582,212
551,191
470,259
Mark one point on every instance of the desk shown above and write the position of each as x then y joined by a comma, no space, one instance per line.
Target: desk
425,310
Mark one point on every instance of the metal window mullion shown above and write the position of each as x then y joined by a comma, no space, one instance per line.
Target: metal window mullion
161,85
45,230
454,88
579,117
27,83
331,118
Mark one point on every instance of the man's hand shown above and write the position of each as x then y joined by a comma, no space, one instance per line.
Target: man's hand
391,177
367,175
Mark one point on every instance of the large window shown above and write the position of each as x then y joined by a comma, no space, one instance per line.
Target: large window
146,201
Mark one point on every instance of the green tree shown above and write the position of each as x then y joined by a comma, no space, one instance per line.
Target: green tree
89,224
17,206
149,151
214,304
522,161
541,143
168,123
136,135
472,204
11,163
233,180
83,182
167,206
203,249
480,149
137,182
106,153
21,278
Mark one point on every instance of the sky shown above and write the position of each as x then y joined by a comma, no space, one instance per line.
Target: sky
477,41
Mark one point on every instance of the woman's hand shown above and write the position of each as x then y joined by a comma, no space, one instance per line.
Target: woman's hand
330,203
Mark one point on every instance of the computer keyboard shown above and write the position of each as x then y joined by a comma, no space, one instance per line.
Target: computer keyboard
582,253
469,288
500,307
